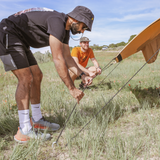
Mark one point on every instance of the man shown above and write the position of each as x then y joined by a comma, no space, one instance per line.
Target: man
81,56
40,27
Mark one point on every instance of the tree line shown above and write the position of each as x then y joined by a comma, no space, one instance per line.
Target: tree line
42,58
112,45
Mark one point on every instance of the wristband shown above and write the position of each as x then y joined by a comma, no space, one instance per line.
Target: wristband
81,74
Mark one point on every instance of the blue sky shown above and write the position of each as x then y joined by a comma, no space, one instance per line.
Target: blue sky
115,21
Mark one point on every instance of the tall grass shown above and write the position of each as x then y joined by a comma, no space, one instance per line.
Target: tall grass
127,128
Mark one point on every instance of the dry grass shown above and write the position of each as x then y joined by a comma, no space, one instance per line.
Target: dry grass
127,128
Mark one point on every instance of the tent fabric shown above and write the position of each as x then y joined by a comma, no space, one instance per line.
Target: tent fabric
150,48
148,41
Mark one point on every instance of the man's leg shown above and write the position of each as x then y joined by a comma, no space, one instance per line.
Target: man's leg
22,96
36,84
36,92
92,69
37,120
25,79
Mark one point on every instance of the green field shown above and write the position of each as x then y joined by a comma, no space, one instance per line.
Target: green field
127,128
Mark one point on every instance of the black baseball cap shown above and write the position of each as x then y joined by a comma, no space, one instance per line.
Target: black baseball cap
83,14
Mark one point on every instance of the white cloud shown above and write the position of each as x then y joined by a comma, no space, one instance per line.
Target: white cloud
109,35
137,17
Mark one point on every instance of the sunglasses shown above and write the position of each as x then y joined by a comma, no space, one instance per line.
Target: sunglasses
84,27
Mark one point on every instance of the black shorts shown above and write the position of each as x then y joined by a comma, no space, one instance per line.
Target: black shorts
14,53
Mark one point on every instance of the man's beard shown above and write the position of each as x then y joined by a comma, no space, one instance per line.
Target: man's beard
74,28
85,48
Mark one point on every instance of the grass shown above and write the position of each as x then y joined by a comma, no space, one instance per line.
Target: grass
127,128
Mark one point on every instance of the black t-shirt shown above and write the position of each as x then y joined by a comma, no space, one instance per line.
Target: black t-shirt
33,26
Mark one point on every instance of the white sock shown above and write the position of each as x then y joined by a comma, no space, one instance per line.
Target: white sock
36,111
24,120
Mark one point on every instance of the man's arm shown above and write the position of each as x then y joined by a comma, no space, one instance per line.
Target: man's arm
57,49
95,62
96,65
59,61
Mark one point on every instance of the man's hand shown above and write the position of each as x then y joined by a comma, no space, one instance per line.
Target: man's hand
99,71
77,94
86,80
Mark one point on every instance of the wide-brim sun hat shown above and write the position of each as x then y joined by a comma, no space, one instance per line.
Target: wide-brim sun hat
83,14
